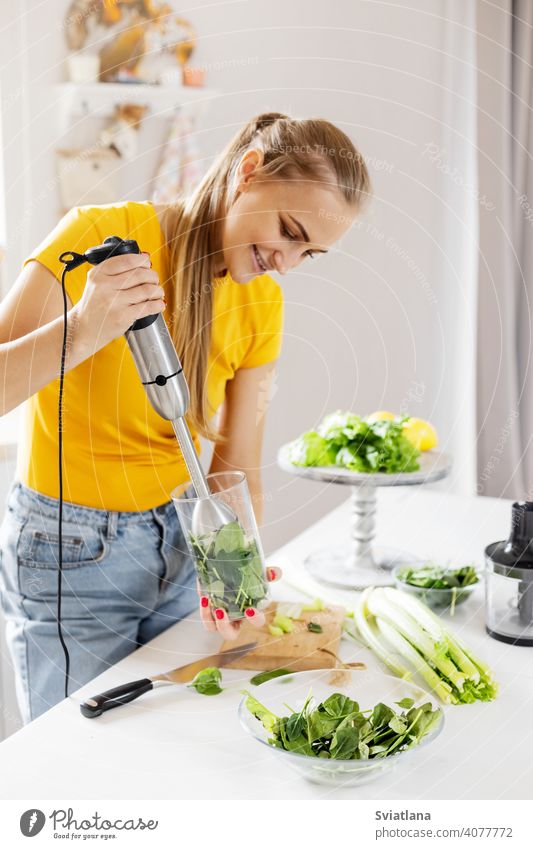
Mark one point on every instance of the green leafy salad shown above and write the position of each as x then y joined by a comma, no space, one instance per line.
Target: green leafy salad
437,585
430,576
347,440
337,728
230,569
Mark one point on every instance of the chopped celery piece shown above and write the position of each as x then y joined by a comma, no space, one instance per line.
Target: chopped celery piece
284,623
290,609
315,605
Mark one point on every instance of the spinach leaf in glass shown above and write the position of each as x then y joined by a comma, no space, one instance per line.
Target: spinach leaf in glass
230,569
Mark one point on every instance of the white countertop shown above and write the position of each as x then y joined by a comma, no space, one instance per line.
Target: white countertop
172,744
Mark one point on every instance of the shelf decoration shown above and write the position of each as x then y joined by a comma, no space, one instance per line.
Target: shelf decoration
136,40
179,170
87,176
121,136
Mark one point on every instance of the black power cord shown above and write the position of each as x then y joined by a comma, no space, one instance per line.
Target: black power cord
60,455
112,246
70,260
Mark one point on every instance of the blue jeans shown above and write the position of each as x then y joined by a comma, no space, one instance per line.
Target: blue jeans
126,577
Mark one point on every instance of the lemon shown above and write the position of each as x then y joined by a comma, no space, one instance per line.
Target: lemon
380,416
421,433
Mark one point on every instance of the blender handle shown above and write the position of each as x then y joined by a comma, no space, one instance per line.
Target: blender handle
114,246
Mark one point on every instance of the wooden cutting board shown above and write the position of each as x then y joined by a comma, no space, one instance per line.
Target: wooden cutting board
299,650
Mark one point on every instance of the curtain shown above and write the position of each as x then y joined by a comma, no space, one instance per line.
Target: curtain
505,280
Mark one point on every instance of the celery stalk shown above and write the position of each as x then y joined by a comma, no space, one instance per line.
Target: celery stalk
460,653
433,653
419,611
485,670
396,625
368,631
462,660
409,653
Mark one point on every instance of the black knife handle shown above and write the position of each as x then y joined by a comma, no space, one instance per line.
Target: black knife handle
96,705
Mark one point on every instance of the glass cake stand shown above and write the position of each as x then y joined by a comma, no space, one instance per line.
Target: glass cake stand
358,564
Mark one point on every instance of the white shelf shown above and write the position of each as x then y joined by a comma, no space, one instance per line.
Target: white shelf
98,100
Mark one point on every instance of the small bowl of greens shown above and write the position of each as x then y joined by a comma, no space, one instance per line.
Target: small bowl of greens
437,586
341,727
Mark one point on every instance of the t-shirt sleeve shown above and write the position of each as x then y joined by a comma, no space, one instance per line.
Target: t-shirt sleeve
76,231
267,333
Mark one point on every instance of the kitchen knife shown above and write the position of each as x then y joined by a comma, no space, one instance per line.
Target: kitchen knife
125,693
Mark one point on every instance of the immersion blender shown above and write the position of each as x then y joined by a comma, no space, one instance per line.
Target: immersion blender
161,374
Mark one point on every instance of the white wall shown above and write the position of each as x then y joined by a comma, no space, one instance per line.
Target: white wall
385,320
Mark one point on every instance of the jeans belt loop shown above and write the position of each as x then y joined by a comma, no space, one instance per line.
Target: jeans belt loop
112,524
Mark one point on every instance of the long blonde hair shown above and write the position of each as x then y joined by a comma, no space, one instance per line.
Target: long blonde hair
311,149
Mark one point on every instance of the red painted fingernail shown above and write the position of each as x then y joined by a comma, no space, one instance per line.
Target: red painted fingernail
204,601
250,611
219,613
271,574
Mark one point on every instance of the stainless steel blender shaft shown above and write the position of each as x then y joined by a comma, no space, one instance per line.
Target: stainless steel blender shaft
162,376
183,435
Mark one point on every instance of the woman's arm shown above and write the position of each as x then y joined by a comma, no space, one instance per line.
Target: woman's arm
242,422
31,336
118,291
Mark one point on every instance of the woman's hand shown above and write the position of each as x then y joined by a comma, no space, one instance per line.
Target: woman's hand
118,291
217,620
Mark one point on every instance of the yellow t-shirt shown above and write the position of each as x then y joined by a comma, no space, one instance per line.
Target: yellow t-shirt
119,454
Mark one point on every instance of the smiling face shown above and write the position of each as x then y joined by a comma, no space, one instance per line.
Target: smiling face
274,224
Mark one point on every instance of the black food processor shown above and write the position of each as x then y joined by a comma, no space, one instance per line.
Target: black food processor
509,581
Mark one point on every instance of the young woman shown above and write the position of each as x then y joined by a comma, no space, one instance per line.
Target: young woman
283,190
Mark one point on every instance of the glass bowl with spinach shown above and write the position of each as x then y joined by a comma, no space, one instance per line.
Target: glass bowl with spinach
229,560
437,586
341,727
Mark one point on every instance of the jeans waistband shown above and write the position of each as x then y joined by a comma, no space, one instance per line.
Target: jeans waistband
23,497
